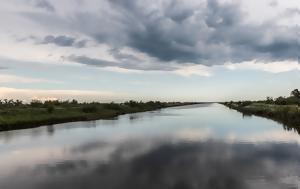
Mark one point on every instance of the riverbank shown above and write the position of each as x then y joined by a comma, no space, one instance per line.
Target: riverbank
23,116
289,115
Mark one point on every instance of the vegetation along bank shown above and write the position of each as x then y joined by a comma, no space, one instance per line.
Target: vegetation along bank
285,110
18,115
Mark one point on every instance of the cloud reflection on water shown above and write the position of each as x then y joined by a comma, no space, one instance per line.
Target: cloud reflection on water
183,148
208,164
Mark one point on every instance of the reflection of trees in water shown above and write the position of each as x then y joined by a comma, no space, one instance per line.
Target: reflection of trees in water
64,167
10,136
215,165
292,128
50,130
287,124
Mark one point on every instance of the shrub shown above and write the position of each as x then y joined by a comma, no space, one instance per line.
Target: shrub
90,109
132,103
280,101
50,109
246,103
112,106
36,103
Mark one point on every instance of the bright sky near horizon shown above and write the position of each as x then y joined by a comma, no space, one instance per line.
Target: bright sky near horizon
169,50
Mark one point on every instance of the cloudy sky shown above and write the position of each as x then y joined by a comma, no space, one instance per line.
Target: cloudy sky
115,50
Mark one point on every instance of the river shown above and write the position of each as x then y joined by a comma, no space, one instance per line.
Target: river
199,146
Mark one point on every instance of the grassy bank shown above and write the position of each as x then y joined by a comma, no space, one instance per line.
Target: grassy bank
285,110
16,115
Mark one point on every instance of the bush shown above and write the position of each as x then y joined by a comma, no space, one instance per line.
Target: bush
112,106
280,101
90,109
269,100
132,103
36,103
246,103
50,109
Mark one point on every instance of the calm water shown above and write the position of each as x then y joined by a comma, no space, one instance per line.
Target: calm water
199,146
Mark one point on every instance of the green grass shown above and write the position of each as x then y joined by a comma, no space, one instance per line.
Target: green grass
27,116
289,115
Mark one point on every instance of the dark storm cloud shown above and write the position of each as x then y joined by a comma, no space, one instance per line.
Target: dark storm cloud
208,33
177,12
63,41
219,27
158,33
222,16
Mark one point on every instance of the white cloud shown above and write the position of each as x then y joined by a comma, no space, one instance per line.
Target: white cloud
274,67
208,71
81,95
194,134
195,69
6,78
287,136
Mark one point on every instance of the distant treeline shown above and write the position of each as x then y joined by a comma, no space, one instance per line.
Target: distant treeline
293,99
87,107
39,103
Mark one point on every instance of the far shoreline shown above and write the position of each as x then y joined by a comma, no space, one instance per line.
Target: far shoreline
50,113
287,115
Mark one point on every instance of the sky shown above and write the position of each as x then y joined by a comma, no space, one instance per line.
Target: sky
168,50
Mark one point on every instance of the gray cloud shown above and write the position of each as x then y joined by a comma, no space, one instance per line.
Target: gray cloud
63,41
80,44
292,12
125,61
220,34
91,61
59,40
211,33
273,3
177,12
44,4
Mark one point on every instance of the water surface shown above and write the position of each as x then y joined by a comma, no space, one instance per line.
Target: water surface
198,146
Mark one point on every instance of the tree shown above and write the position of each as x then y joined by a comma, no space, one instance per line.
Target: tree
74,101
280,101
295,93
36,103
269,100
